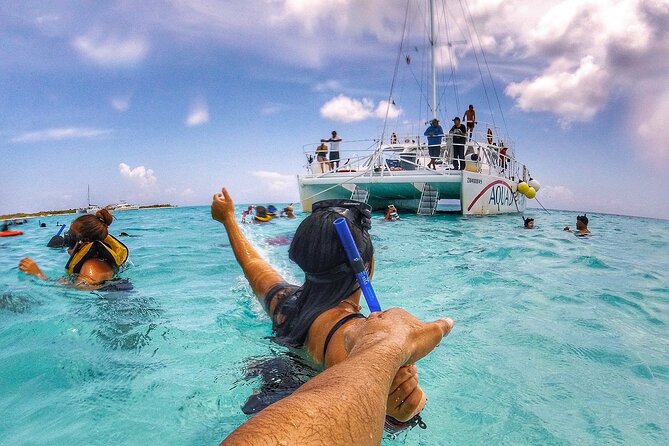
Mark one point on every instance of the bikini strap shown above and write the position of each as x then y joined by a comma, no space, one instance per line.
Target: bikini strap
336,327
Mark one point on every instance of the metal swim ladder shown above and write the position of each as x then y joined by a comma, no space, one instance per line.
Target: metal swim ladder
428,200
360,194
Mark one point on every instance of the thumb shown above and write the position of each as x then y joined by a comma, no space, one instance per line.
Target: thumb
429,337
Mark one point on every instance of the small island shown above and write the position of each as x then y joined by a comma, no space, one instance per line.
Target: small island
69,211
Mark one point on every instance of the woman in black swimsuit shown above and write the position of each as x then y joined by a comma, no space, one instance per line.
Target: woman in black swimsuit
317,315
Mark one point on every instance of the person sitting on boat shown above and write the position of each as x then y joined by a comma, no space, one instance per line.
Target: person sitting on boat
528,223
335,141
391,213
288,212
261,215
434,135
95,255
581,226
459,133
322,157
318,315
470,119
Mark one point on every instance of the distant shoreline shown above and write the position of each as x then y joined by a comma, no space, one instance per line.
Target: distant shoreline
70,211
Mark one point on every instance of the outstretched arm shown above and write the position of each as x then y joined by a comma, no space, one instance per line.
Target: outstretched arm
28,266
360,385
260,274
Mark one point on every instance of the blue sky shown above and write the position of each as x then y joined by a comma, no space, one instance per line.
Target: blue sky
164,102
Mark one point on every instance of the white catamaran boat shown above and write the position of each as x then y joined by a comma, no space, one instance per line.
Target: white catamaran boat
393,169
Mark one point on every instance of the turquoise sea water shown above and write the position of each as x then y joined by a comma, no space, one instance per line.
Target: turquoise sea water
558,339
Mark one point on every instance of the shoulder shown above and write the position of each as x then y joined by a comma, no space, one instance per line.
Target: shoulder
96,270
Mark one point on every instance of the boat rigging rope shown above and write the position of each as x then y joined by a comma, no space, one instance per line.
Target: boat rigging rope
468,14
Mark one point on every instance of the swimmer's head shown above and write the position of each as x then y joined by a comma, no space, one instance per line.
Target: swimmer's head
529,223
90,228
316,247
261,211
288,209
581,221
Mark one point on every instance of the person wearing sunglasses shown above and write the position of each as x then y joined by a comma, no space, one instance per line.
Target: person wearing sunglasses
317,315
95,255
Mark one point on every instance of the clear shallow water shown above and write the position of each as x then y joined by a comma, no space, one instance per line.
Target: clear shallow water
558,340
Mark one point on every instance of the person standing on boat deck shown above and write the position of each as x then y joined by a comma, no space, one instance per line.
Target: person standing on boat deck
334,141
459,133
322,157
470,119
434,134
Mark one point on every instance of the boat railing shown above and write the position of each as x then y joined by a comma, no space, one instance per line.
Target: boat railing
407,154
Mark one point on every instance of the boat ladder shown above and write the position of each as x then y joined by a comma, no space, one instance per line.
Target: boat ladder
360,194
428,200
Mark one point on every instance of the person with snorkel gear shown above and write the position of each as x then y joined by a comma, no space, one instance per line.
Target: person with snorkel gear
318,315
95,255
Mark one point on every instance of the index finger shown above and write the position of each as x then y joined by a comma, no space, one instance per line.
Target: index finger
226,195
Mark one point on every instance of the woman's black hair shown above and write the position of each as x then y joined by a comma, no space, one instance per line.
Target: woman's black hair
527,221
316,249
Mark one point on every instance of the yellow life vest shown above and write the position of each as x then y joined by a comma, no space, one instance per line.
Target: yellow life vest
110,250
268,218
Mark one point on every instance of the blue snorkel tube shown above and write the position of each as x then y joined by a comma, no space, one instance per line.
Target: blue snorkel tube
355,260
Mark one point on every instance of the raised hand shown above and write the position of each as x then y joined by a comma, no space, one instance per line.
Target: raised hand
222,206
28,266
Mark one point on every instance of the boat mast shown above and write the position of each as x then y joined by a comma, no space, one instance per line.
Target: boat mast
433,42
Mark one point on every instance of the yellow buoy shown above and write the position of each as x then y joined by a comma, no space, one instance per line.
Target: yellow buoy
522,187
535,184
531,193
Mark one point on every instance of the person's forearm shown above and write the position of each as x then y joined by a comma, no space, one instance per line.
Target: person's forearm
258,272
357,387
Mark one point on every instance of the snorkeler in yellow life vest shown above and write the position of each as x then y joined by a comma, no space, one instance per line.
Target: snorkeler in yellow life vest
95,256
110,250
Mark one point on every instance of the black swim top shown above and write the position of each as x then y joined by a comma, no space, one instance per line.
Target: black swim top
336,327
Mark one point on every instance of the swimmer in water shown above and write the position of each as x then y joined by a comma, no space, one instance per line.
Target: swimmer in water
391,213
529,223
288,212
318,315
95,255
581,226
261,215
328,409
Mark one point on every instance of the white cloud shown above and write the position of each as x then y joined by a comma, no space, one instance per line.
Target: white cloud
653,112
59,134
277,182
120,103
329,85
344,109
187,193
574,94
111,51
560,194
198,114
140,175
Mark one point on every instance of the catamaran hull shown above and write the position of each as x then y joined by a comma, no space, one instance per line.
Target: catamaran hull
479,194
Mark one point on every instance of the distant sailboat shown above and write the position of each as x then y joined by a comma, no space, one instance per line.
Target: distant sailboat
91,208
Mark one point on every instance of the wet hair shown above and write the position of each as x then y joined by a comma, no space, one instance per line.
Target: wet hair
583,219
329,279
261,211
90,228
527,221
